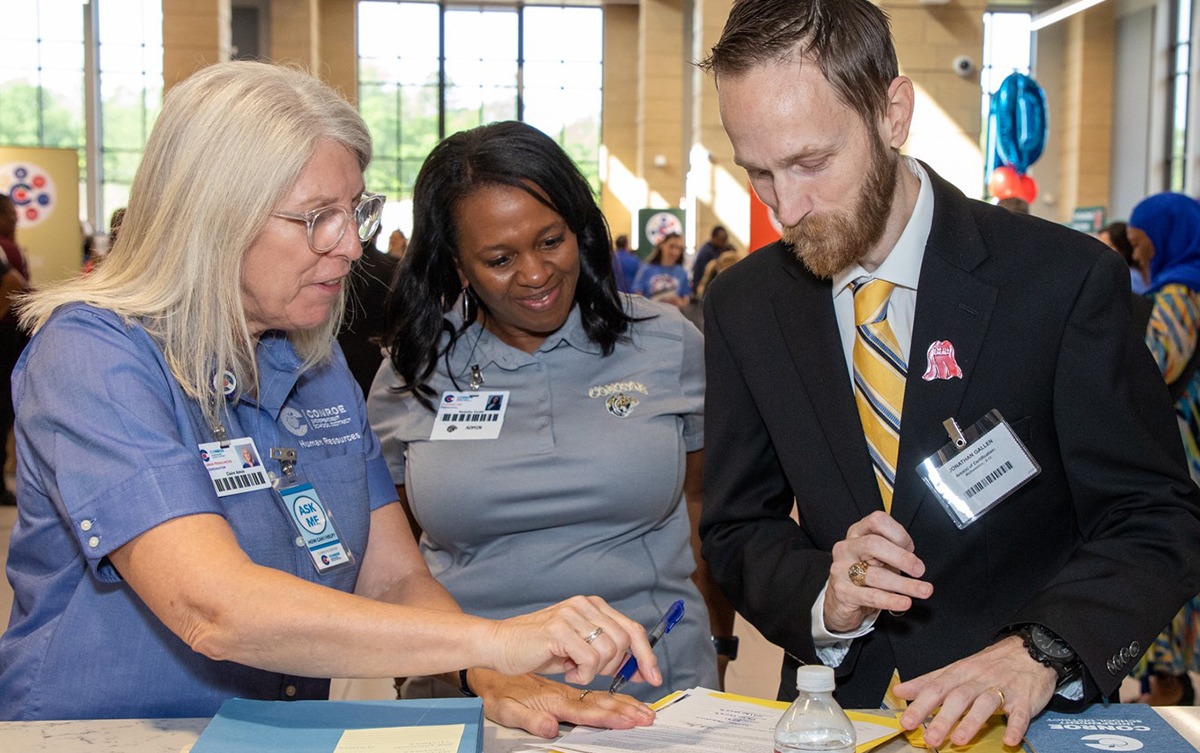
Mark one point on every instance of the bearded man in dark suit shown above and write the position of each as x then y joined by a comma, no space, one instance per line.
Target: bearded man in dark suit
1048,595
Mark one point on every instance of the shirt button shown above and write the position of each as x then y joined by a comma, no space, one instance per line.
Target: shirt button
94,542
290,691
86,525
299,541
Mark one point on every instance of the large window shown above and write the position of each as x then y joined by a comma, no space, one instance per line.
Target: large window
1177,112
1007,49
52,65
429,69
41,81
130,83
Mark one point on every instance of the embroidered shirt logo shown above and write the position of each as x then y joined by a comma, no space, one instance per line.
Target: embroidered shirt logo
621,405
619,402
293,421
616,388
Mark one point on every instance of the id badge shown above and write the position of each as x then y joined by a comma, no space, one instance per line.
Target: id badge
470,415
980,467
313,521
234,468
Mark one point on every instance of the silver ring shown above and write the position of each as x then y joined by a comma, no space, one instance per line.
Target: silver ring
593,636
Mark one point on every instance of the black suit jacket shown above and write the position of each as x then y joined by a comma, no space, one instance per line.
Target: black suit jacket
1101,547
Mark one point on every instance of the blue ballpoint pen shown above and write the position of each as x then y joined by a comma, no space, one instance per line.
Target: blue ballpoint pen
668,621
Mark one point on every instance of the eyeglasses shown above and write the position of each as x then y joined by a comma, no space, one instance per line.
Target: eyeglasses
327,225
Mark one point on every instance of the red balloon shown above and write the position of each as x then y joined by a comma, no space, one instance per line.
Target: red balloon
1028,189
1005,182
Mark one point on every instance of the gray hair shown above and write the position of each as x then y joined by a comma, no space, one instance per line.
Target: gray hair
229,145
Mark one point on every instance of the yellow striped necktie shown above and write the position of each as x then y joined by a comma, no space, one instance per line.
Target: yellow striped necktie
879,374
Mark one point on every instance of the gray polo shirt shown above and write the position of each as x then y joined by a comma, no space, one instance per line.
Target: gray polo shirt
582,491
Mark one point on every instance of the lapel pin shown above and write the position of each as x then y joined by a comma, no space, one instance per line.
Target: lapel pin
942,365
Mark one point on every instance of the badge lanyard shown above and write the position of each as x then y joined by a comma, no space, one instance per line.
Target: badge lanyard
979,468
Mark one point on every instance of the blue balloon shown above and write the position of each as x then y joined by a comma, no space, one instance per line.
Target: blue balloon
1019,109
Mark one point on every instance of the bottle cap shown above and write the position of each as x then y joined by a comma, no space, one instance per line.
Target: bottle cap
815,678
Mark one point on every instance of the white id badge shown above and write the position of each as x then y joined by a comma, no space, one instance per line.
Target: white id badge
470,415
235,468
315,526
978,468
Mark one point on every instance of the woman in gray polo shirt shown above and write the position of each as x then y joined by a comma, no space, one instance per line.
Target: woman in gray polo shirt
543,426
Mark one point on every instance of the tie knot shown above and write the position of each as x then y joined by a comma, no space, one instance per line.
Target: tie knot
870,300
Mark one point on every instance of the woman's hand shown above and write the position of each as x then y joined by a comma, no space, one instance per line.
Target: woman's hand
555,639
537,705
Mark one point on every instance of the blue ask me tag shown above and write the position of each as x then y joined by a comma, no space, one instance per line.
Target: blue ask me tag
315,526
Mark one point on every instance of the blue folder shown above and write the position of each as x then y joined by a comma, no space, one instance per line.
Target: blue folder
243,726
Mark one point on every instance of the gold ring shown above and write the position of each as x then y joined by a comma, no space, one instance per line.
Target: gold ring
583,695
998,692
858,573
593,635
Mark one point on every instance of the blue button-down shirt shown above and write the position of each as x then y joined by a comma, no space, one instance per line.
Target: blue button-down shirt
108,448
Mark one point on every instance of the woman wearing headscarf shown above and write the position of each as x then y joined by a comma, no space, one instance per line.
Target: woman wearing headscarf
1165,232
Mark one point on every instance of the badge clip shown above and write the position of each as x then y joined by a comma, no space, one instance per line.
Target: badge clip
954,432
287,460
476,376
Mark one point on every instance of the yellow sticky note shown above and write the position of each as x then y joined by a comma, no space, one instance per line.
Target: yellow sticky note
434,738
989,739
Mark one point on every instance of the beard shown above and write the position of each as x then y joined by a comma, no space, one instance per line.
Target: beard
829,242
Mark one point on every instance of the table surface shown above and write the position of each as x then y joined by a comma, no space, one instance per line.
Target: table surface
177,735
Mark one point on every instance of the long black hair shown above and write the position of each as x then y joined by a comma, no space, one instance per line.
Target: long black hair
427,284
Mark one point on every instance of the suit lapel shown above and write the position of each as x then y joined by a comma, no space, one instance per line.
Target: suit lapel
952,306
808,326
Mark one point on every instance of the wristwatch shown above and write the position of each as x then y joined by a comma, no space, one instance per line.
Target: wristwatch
1047,648
727,647
463,686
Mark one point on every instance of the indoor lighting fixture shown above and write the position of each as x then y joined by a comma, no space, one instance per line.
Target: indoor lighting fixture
1058,13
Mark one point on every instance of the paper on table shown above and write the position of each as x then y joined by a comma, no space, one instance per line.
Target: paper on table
438,738
708,721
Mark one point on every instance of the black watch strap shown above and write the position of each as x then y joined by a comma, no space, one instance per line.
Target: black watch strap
1045,647
727,647
463,687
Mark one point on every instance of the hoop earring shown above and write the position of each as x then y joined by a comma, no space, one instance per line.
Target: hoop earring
465,297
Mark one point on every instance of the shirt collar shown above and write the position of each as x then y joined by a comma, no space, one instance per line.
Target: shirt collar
902,266
481,347
278,372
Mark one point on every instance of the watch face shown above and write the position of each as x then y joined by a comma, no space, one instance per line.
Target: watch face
1050,644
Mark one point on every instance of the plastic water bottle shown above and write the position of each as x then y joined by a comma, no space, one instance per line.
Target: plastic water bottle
814,721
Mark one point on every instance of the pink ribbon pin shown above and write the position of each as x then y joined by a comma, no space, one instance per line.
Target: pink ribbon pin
942,365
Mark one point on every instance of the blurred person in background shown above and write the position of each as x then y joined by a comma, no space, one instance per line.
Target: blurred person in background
1164,232
14,279
662,277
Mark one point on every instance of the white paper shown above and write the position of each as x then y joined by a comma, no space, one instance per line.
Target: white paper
700,721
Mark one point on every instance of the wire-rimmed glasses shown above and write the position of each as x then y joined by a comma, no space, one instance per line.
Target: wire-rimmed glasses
327,225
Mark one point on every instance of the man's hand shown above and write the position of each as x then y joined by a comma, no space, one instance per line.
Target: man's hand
1003,676
537,705
886,547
